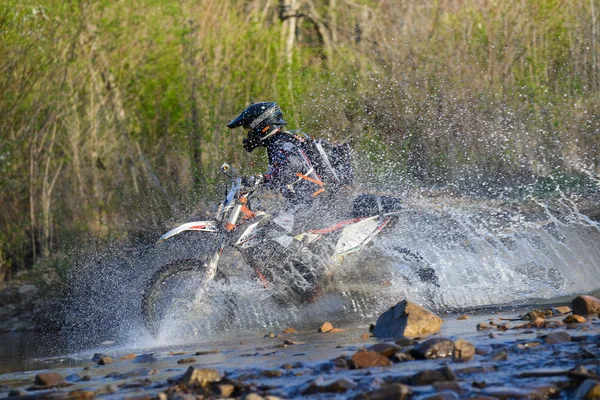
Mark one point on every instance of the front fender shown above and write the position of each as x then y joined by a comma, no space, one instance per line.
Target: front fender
206,226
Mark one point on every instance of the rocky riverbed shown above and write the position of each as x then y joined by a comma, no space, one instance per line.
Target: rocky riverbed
534,353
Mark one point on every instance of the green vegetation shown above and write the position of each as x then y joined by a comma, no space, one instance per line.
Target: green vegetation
112,114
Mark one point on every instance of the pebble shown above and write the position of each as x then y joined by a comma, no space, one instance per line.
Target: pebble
366,359
201,376
557,337
574,319
105,360
48,379
463,350
186,360
216,351
396,391
434,348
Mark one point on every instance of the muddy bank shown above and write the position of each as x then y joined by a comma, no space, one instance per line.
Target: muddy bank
500,354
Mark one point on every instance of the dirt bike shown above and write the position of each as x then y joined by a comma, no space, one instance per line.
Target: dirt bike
293,266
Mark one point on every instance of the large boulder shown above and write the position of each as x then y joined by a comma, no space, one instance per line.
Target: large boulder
584,305
407,319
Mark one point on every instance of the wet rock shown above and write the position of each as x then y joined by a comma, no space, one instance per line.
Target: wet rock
145,358
216,351
130,356
338,386
200,376
136,373
406,342
429,377
557,337
289,330
270,335
140,383
108,389
443,395
275,373
225,390
396,391
544,391
366,359
49,379
463,350
105,360
528,345
81,395
533,315
384,349
559,310
326,327
403,356
448,386
574,319
17,393
176,353
337,330
507,392
288,342
499,355
589,389
434,348
97,356
584,305
341,363
484,327
186,360
462,317
365,336
253,396
407,319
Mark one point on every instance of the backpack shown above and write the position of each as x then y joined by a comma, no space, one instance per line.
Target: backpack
332,162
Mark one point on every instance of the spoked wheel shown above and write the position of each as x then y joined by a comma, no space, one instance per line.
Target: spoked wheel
174,295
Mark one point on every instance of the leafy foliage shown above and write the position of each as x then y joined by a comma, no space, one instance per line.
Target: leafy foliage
114,113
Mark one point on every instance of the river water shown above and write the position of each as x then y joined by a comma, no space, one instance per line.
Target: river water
488,258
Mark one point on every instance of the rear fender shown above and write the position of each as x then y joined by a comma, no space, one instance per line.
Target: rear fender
205,226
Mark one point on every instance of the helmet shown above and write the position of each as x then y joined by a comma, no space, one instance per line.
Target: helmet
258,118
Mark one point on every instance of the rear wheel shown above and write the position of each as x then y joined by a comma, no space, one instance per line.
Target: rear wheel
174,294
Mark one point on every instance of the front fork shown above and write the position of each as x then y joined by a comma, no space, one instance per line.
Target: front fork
213,261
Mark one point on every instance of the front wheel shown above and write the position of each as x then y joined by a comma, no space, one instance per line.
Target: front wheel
174,295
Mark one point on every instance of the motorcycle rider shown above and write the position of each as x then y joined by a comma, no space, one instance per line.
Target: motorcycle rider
289,168
292,173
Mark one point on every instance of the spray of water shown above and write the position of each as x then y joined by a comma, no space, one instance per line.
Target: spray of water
483,251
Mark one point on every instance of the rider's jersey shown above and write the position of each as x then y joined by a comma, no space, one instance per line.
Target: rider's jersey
290,171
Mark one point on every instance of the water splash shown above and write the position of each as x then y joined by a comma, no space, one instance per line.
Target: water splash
484,252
